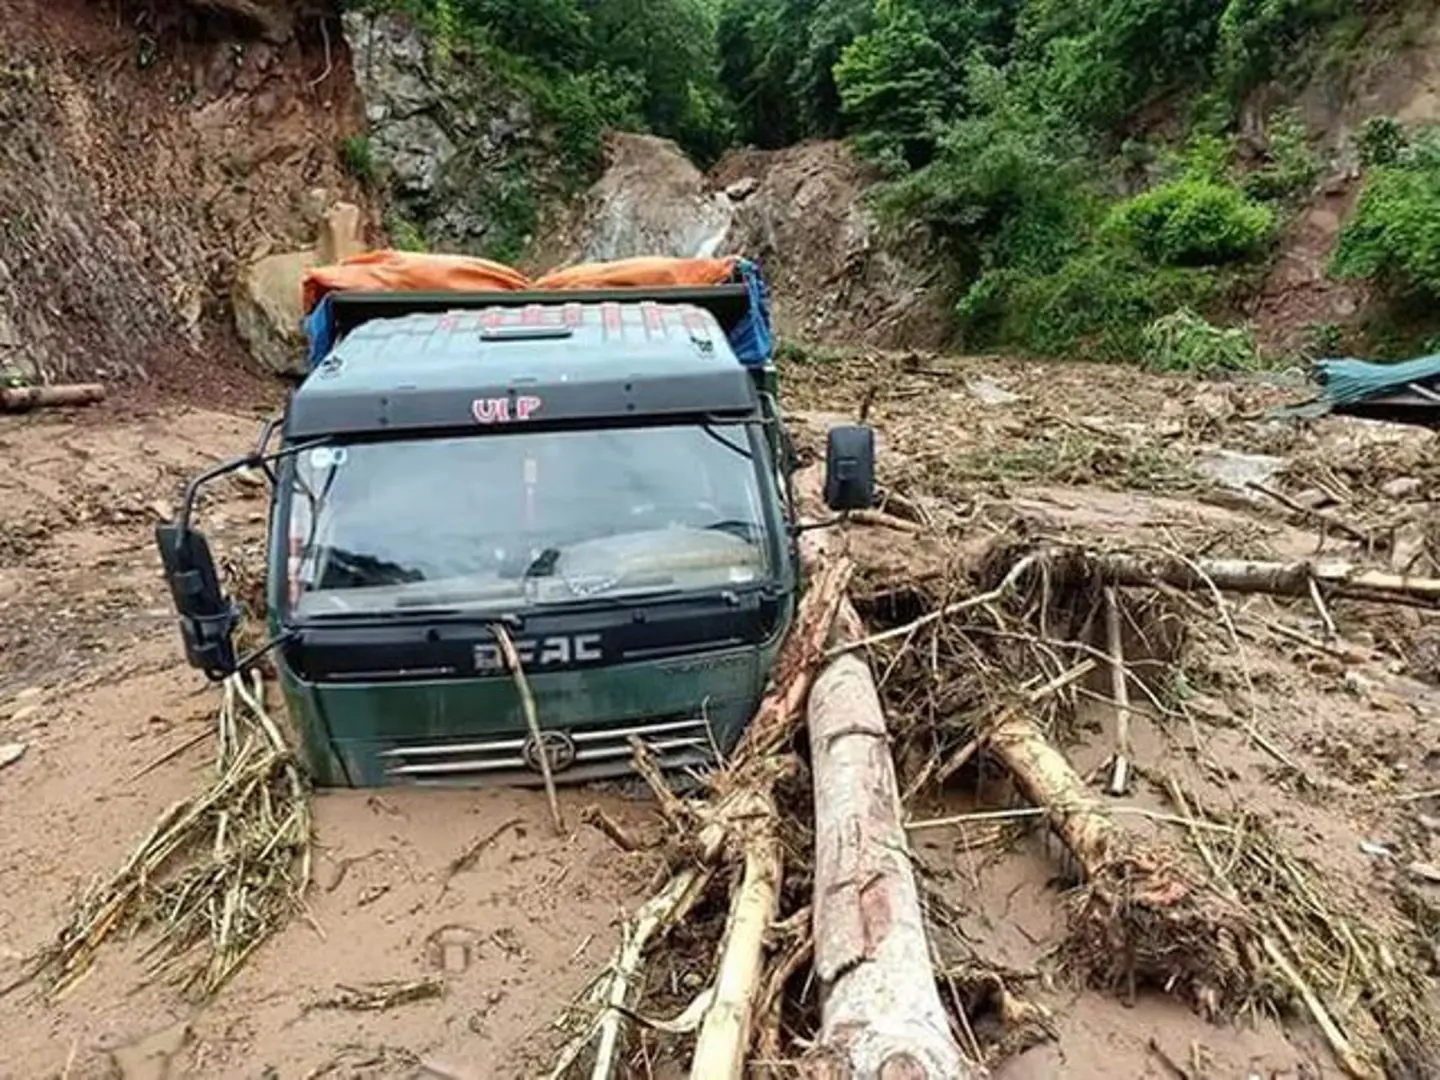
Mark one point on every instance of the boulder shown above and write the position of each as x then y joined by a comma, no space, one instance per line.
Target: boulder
267,292
266,299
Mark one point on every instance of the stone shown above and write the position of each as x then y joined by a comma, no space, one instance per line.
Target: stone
10,753
990,393
266,299
1233,469
1402,487
742,189
341,234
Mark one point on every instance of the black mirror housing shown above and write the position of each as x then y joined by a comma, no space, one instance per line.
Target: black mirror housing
207,616
850,468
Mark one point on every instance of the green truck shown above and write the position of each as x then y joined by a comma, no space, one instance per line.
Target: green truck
605,476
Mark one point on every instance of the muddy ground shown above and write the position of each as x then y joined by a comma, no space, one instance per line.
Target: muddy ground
1332,743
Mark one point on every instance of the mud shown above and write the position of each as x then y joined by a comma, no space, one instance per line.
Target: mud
93,685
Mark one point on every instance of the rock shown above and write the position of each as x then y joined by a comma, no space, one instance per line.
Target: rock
989,393
1402,487
1236,470
340,235
267,303
742,189
10,753
651,201
451,141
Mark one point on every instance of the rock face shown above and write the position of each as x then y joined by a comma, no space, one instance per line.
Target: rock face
836,276
452,143
651,201
128,207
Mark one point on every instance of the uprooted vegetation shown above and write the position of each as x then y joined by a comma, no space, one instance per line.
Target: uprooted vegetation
1002,642
1262,887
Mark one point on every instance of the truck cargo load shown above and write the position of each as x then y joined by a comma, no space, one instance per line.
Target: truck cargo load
439,282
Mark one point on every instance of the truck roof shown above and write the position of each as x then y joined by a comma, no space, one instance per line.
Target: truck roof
503,365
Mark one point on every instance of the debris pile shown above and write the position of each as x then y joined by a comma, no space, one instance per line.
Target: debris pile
219,873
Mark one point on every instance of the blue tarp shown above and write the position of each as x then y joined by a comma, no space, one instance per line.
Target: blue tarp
320,331
752,338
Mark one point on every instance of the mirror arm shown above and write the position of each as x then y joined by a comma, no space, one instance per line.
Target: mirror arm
256,460
810,526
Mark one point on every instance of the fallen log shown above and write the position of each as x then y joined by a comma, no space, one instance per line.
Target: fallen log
25,398
1140,918
881,1013
881,1017
1338,577
751,824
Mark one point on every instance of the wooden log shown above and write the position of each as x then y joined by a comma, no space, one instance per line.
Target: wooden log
25,398
720,1049
880,1009
1280,579
881,1017
1142,918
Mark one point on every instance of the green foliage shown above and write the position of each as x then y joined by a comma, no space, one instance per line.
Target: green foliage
1382,141
593,64
1186,342
1021,132
405,235
1095,306
895,85
1292,168
1193,221
1394,235
357,158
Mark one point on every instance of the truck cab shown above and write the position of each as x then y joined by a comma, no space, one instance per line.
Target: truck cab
596,477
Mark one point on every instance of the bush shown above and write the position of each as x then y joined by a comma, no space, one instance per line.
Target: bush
1394,235
1293,167
1186,342
1094,307
357,158
1193,221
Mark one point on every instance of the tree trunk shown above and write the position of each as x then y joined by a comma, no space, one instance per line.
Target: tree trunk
880,1009
1281,579
24,398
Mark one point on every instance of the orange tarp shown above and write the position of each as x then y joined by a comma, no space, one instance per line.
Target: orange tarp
650,272
403,271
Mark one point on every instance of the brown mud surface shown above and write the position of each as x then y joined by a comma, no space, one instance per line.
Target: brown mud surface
93,684
1331,746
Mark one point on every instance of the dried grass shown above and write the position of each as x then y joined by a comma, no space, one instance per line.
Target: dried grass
219,872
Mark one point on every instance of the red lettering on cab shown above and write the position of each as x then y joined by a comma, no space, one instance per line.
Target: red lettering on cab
497,410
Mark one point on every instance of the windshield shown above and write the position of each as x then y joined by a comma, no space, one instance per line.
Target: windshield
525,519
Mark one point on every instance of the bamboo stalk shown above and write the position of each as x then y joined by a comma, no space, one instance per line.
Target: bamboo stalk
1120,772
725,1032
532,721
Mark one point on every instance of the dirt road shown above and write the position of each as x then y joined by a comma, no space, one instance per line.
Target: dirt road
93,685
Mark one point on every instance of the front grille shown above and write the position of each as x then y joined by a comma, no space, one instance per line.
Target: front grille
576,756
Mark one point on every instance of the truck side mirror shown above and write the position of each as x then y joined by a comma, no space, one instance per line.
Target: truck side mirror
850,468
207,616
